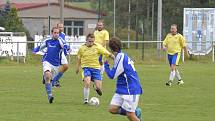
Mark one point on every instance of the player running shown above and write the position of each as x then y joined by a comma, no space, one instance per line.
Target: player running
64,63
87,59
128,87
51,60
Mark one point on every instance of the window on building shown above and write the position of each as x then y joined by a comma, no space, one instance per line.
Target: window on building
74,28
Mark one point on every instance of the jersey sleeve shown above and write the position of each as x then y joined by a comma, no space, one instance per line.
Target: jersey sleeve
182,41
165,41
103,51
61,41
106,36
44,44
117,67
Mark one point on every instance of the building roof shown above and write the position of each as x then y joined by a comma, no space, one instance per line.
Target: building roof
28,1
25,6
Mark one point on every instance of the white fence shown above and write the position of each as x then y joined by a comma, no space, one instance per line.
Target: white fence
8,45
146,50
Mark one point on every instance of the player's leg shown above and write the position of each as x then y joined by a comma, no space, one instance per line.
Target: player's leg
64,67
96,77
47,76
177,74
115,105
172,62
87,81
130,103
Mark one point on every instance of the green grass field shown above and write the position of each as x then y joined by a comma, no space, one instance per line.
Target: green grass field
23,97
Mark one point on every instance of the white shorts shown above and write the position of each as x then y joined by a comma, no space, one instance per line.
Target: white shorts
127,102
63,59
49,67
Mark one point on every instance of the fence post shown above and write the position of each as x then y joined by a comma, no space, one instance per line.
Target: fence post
212,51
17,52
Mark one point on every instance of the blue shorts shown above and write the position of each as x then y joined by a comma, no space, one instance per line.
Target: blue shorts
174,59
95,74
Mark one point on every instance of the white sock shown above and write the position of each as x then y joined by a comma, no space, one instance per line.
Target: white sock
178,75
172,76
86,93
102,68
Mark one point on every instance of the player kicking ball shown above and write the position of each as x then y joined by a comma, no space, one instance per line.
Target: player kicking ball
128,87
87,59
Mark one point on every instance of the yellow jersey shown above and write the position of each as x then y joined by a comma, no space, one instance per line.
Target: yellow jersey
89,55
174,43
101,37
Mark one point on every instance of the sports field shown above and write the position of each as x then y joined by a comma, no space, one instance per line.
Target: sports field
23,97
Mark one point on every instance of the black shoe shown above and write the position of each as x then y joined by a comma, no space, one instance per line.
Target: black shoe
51,99
57,84
85,101
99,92
169,83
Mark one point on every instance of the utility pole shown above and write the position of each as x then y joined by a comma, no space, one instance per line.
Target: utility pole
114,18
153,19
62,11
129,22
159,26
49,18
99,16
137,21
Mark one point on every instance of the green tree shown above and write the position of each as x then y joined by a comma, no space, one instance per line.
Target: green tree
13,22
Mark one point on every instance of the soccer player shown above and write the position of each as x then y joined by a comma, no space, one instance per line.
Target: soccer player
87,59
51,60
128,87
64,63
102,38
173,44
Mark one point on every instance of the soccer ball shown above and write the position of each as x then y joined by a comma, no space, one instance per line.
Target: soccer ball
94,101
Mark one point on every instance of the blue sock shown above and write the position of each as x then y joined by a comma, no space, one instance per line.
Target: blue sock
48,89
122,111
56,78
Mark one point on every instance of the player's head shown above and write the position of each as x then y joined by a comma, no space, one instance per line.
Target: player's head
90,40
55,32
100,25
115,44
60,27
173,29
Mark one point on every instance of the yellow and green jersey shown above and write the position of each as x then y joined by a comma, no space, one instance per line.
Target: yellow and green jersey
101,37
174,43
89,55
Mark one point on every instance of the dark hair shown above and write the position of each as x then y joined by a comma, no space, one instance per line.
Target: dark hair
115,44
174,25
54,28
90,35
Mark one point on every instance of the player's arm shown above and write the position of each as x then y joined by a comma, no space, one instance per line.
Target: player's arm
165,44
116,70
78,64
105,52
184,46
106,39
39,48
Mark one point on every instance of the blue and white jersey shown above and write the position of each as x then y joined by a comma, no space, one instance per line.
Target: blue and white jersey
128,82
62,35
54,48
